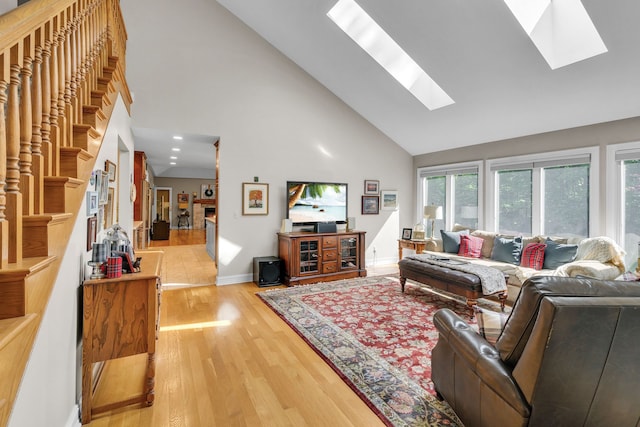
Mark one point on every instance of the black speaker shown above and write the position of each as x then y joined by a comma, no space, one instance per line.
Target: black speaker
325,227
267,271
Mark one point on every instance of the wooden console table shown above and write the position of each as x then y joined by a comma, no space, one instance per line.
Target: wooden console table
417,245
120,318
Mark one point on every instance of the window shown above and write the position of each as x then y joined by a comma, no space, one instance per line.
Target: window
624,223
550,194
455,188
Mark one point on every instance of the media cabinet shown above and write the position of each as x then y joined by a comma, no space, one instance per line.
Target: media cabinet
320,257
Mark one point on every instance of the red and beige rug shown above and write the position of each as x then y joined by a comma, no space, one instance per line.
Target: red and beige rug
376,338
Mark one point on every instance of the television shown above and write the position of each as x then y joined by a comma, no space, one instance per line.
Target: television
311,202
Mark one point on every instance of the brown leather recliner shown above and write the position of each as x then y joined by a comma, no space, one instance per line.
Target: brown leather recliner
569,355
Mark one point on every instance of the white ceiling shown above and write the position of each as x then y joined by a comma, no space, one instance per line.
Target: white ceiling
196,158
475,50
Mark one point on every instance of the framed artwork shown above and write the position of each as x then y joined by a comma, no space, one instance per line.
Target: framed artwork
104,187
109,208
370,205
255,198
183,198
92,230
371,187
207,191
389,200
96,180
92,202
406,233
110,167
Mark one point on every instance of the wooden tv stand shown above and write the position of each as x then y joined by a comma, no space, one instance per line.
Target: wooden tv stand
320,257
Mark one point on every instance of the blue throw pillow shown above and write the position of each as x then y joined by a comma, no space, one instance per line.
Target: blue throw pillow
451,240
507,249
557,254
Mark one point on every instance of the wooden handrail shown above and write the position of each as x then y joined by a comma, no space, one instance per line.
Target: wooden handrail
62,66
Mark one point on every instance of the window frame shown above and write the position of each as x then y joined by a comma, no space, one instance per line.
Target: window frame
493,165
614,218
448,171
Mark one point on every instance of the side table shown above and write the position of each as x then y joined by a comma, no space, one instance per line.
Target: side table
416,245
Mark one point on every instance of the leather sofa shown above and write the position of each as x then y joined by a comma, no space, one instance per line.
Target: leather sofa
568,356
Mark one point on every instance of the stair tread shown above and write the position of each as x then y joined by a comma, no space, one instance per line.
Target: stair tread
10,328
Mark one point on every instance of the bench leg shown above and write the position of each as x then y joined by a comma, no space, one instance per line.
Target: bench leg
472,302
503,299
403,280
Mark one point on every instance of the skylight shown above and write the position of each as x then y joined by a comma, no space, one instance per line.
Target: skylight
561,29
366,32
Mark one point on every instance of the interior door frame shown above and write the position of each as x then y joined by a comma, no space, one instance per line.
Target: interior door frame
156,201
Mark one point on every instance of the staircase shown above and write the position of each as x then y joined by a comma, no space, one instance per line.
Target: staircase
62,67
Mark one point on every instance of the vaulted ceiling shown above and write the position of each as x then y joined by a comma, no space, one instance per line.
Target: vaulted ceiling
475,50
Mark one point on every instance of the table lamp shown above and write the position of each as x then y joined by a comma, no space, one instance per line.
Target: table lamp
432,212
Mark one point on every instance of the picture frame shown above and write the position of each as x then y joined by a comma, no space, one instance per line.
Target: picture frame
370,205
109,208
207,192
389,200
104,187
183,197
406,233
371,187
255,198
92,202
110,167
96,179
92,230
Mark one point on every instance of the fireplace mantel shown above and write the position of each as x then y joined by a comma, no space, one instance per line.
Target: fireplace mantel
205,201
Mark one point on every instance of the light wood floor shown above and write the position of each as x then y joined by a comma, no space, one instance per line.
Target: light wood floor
225,359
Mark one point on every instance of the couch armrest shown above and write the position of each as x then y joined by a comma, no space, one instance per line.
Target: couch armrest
480,357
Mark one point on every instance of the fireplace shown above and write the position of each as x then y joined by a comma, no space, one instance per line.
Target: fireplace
209,212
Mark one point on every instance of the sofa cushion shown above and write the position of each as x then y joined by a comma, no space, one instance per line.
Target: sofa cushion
557,254
507,250
470,246
488,237
533,256
451,240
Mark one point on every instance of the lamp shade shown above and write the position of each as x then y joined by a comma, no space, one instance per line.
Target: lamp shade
433,212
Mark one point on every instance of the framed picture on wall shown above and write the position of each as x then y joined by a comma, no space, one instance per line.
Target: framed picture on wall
371,187
92,231
370,205
92,202
104,187
110,167
389,200
255,198
207,191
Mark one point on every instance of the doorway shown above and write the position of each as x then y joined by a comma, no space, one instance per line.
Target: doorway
162,207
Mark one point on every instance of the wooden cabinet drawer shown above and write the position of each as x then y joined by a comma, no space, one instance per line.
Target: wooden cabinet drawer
329,254
329,242
329,267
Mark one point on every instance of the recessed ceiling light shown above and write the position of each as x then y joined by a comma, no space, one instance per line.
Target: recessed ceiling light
173,157
366,32
175,149
172,163
177,137
561,29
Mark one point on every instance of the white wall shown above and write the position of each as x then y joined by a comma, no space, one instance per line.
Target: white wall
50,388
274,121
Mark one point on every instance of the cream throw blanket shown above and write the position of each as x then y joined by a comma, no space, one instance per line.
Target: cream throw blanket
598,257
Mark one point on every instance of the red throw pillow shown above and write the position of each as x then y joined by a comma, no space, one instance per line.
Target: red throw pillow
470,246
533,256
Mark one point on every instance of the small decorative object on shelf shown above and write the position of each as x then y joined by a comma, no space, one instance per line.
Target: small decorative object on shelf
98,257
418,232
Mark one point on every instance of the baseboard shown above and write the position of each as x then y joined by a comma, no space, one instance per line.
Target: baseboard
381,261
233,280
74,417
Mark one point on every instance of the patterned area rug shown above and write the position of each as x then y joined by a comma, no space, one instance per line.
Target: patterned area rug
377,339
